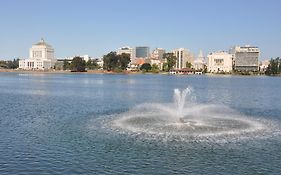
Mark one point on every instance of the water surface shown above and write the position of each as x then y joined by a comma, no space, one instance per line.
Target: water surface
47,125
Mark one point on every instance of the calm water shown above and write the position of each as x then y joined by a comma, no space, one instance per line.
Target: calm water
49,125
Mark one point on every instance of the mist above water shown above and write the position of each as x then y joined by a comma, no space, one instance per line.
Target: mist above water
189,121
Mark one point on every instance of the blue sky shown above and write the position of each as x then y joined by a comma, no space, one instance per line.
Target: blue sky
96,27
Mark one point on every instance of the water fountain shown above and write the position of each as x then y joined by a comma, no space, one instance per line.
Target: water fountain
192,122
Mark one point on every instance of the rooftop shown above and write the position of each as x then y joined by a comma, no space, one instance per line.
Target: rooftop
42,43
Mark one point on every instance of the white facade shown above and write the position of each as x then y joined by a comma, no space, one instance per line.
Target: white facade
158,62
183,56
86,58
219,62
264,65
41,57
100,63
199,63
126,50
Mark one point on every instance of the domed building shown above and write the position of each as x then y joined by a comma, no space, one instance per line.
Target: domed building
41,57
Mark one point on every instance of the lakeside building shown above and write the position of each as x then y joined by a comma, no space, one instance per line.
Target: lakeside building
69,59
219,62
142,52
183,55
183,71
158,53
41,57
199,63
246,58
99,61
263,65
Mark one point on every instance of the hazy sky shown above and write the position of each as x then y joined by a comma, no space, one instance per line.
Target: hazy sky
96,27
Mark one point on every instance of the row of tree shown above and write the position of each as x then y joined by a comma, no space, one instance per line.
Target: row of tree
274,67
114,62
9,64
146,67
79,65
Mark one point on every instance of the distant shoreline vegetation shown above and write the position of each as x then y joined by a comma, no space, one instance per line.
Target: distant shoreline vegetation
115,64
274,67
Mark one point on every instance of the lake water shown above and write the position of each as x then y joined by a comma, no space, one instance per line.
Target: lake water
60,124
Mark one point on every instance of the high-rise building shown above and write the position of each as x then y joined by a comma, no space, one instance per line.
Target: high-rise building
183,56
142,52
246,58
219,62
41,57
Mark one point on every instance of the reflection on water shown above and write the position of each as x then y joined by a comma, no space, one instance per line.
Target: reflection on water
56,124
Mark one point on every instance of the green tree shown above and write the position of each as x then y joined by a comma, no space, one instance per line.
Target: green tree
124,60
110,61
188,64
66,65
154,68
91,64
274,67
3,64
171,60
145,67
114,62
78,65
10,64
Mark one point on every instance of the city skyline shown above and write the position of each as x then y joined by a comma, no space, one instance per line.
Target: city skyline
98,27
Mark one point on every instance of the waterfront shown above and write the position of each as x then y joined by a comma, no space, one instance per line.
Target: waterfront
54,123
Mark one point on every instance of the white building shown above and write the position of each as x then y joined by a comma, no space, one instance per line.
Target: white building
100,62
41,57
199,63
86,57
127,50
264,65
183,56
219,62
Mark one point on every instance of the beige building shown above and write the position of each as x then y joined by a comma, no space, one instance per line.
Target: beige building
41,57
219,62
158,53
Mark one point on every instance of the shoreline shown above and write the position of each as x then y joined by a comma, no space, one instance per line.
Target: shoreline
61,72
116,73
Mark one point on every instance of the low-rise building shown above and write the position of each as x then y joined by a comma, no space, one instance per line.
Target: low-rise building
264,65
41,57
219,62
